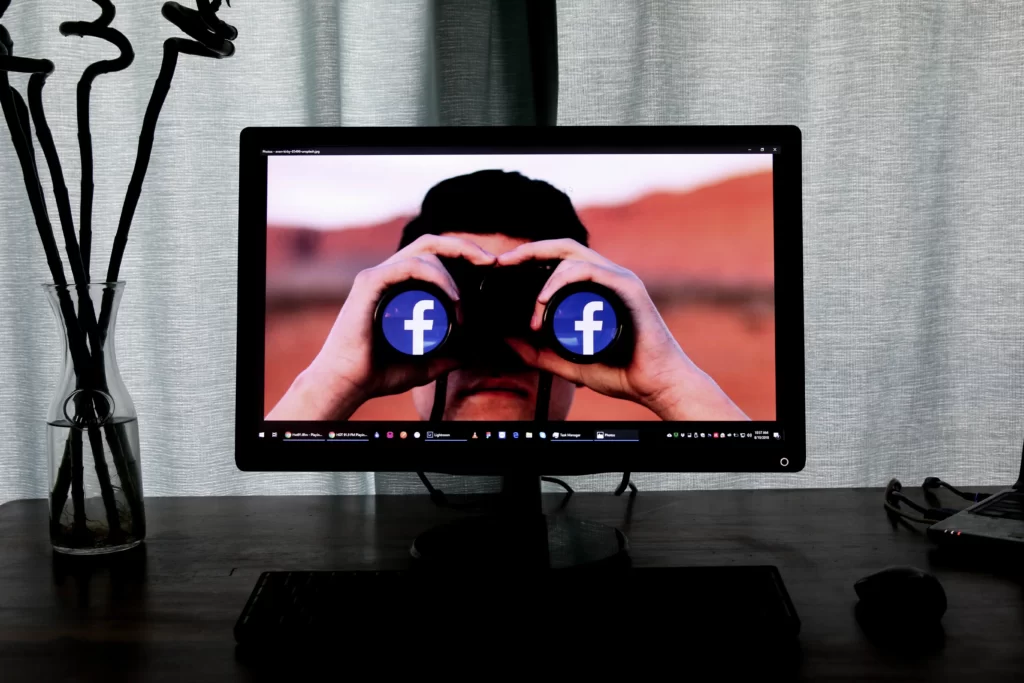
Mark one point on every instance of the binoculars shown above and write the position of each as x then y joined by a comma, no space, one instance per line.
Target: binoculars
584,322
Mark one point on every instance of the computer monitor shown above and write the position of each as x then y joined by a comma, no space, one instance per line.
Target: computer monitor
671,255
520,301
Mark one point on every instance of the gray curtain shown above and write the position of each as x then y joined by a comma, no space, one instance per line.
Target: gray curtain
913,121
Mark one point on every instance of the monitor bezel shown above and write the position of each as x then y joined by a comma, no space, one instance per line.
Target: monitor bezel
255,454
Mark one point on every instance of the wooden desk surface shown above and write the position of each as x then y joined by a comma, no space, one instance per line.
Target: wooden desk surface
168,613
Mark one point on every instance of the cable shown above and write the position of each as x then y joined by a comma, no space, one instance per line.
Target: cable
626,482
555,480
436,415
891,503
894,496
438,498
440,395
903,515
568,491
541,409
540,414
934,483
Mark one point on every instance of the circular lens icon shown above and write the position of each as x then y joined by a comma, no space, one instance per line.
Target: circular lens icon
584,322
414,319
784,462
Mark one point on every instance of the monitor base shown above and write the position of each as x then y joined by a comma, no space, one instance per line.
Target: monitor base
501,543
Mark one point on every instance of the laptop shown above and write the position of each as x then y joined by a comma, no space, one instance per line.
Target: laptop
998,519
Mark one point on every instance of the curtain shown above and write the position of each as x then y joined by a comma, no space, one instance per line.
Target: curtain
913,122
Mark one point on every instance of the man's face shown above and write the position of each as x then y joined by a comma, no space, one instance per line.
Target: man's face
506,393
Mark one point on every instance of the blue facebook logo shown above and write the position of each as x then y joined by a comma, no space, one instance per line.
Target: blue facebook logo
415,322
585,323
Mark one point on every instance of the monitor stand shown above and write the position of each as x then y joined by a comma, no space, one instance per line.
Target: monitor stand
519,536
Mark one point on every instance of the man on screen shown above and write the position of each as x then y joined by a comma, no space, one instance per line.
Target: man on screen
496,218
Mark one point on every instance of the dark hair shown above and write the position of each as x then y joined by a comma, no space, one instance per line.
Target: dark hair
494,201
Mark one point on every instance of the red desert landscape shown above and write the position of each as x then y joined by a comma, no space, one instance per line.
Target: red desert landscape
706,257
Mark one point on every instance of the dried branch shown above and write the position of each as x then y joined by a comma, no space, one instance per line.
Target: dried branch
23,147
121,454
22,109
212,38
106,489
60,188
87,312
77,486
96,29
61,485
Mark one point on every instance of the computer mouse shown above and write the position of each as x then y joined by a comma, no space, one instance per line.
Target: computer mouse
902,594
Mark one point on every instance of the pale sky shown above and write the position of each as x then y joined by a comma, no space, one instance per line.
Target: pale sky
334,191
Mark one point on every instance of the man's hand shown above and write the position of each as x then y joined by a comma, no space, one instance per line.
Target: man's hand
660,376
343,377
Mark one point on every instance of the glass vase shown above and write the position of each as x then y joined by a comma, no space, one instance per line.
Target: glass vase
92,432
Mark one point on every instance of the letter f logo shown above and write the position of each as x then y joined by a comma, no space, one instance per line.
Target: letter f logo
418,324
588,326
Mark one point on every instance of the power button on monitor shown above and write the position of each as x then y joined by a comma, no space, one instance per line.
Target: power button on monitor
784,462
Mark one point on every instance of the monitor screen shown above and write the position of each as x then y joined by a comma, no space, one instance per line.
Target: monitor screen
475,307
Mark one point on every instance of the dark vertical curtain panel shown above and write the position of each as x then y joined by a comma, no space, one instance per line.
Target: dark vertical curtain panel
496,63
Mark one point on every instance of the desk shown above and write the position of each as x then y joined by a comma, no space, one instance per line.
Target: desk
168,614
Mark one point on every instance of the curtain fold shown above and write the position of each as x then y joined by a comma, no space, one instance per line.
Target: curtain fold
322,63
913,128
913,122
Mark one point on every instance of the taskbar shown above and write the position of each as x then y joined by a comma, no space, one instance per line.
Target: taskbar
410,433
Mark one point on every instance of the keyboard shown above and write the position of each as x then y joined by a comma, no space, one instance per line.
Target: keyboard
678,604
1007,505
